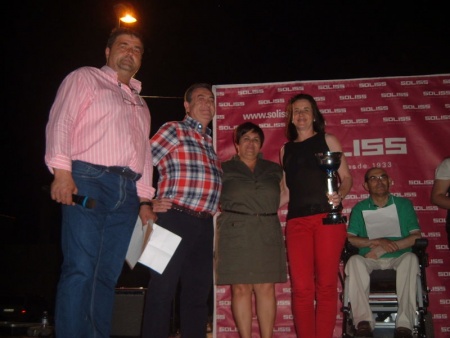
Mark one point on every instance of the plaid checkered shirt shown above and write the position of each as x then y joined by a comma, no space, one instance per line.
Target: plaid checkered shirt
189,170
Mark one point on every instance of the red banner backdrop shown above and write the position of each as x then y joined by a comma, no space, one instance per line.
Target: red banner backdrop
398,123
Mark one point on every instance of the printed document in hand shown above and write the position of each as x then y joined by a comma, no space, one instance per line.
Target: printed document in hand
153,249
159,249
139,239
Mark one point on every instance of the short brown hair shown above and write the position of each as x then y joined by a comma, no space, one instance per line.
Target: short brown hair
123,30
244,128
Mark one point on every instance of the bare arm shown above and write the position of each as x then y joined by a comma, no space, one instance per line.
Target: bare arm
409,241
439,194
380,246
284,190
359,242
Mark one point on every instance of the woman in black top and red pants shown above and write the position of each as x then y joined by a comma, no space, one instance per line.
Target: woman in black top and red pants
313,248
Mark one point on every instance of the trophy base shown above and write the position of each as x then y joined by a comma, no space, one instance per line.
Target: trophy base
334,218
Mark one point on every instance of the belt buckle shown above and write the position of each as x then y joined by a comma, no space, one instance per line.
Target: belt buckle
125,172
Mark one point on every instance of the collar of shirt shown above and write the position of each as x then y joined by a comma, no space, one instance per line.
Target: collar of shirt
372,204
197,126
236,157
134,85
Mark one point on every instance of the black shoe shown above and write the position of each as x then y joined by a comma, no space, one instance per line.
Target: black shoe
402,332
364,330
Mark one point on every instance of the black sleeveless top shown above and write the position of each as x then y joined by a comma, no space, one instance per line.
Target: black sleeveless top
306,181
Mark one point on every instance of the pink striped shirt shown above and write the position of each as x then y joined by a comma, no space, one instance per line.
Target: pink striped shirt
96,119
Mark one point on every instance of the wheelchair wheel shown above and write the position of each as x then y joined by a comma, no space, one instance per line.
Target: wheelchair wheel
348,330
425,328
429,327
347,324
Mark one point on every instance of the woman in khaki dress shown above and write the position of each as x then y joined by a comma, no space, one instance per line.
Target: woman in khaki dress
250,251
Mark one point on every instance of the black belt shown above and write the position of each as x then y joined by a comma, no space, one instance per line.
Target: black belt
198,214
245,213
122,171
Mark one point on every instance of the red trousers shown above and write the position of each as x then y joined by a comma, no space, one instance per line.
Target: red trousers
314,251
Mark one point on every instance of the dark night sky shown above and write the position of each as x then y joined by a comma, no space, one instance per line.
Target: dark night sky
215,41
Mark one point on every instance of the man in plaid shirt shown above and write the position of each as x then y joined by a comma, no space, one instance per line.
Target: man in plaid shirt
190,181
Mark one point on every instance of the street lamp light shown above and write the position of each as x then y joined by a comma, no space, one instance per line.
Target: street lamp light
124,13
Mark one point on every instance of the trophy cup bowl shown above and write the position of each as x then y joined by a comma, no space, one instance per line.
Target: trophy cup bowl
330,162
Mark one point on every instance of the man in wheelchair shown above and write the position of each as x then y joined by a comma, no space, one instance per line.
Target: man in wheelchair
384,228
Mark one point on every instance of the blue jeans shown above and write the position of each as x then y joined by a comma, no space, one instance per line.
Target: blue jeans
94,244
192,265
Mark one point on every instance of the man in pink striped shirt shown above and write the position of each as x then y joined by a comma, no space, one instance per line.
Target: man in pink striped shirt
98,146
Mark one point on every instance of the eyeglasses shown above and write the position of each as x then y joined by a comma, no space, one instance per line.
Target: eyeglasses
382,178
128,101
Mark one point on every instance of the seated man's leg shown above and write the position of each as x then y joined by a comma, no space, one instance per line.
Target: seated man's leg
407,266
358,270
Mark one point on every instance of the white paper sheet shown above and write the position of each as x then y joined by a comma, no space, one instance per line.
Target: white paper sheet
141,234
382,223
159,249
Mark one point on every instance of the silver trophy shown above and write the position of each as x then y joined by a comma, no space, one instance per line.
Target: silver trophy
330,162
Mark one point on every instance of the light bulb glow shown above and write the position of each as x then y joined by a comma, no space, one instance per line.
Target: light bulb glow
128,18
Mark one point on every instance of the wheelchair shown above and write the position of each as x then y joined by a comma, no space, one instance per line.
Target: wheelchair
383,298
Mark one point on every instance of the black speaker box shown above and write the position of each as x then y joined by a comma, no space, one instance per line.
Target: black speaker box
128,312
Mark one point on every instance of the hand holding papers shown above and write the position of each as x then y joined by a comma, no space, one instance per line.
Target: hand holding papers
139,239
152,248
159,249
